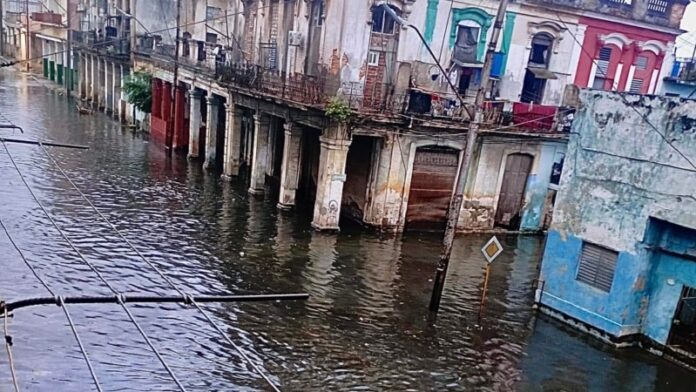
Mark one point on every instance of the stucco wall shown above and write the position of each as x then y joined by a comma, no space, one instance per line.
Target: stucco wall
619,173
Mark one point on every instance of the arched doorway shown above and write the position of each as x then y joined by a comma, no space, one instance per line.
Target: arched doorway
511,198
432,182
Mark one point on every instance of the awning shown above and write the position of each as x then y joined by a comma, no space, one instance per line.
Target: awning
542,73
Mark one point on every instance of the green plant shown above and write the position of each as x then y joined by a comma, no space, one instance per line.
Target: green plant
138,88
337,110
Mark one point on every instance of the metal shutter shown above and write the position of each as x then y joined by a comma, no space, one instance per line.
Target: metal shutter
603,61
597,266
636,86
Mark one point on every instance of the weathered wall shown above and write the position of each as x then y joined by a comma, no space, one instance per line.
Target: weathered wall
620,172
482,195
393,165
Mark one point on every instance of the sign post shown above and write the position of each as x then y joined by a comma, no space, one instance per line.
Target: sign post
490,251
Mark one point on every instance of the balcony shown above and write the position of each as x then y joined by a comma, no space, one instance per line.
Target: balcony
47,17
89,41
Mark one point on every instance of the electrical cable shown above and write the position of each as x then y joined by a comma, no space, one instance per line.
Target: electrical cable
155,268
10,358
61,304
96,271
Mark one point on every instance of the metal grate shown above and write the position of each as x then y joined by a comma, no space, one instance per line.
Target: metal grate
659,6
597,266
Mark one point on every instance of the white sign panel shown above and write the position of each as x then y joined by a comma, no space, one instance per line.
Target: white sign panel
492,249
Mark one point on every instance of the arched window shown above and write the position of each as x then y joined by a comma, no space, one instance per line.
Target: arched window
382,21
540,53
466,44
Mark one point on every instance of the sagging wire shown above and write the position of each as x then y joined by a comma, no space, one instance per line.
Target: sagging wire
61,304
96,271
10,358
241,352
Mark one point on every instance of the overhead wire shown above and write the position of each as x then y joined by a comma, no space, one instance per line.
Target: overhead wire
158,271
10,358
95,270
60,302
623,98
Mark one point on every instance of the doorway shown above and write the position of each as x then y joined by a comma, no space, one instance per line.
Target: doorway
508,212
432,182
683,332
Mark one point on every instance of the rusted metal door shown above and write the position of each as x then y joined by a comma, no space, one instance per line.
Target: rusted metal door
517,169
434,172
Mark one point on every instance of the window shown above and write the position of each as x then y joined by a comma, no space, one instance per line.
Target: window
382,21
318,13
211,38
373,58
597,266
642,62
636,86
212,13
541,48
601,76
466,45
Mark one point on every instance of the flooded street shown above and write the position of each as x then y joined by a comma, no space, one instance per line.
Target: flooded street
365,326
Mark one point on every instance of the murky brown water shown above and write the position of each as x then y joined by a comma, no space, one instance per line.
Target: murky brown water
365,326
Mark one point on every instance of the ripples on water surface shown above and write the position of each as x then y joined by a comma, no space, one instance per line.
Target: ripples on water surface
364,328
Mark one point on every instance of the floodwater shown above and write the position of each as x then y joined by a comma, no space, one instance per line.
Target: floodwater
365,326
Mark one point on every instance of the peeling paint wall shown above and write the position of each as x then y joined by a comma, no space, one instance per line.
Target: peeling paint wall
392,170
620,177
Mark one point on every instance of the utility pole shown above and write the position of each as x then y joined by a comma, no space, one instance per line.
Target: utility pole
464,166
27,37
175,86
2,28
68,48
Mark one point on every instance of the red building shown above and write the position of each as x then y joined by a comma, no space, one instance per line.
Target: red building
160,118
623,57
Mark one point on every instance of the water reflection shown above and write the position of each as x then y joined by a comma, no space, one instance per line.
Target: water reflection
365,326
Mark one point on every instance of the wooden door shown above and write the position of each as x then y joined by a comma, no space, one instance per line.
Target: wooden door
432,182
517,169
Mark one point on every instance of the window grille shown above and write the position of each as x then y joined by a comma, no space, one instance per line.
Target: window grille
642,62
658,6
636,86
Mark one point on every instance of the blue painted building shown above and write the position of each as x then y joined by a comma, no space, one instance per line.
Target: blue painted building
620,257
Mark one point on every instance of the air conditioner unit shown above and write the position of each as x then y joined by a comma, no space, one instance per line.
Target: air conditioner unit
294,38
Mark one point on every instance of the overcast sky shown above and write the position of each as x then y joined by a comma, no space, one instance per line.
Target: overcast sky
685,44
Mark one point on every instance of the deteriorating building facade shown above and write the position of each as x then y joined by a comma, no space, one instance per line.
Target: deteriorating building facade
620,255
252,89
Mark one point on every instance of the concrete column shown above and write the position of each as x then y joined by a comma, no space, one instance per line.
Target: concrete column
121,98
115,86
195,97
107,87
259,154
94,95
233,140
80,81
211,134
180,137
332,175
290,167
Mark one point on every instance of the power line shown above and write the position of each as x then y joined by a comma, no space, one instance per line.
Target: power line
97,272
623,98
10,358
61,304
157,270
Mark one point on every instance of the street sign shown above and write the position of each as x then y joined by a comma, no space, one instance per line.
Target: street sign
492,249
